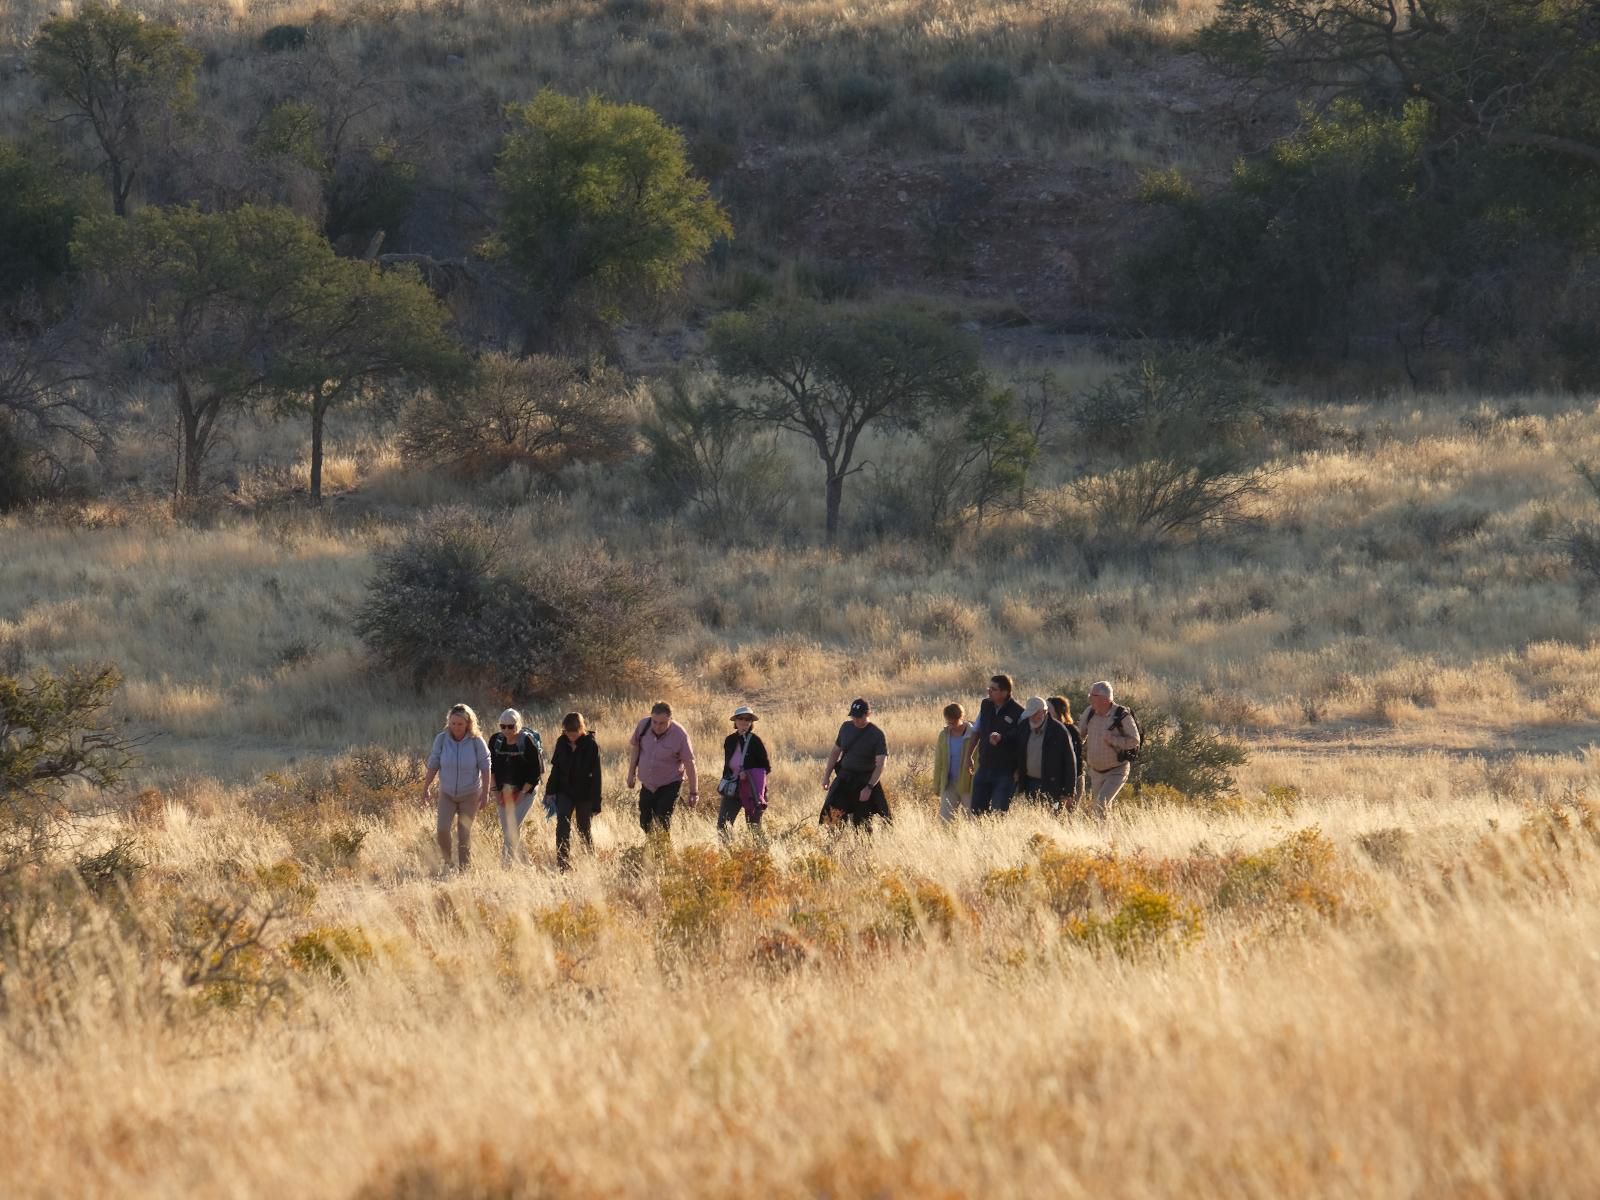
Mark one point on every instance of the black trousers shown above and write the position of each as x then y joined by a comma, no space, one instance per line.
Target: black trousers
843,802
566,811
656,805
1040,792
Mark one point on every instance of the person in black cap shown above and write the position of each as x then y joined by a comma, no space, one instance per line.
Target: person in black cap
855,770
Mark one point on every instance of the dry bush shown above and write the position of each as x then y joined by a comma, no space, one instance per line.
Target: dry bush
540,413
526,624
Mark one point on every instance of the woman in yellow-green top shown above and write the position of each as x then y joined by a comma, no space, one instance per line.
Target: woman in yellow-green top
952,766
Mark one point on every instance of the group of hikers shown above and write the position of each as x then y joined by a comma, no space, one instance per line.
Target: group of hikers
1035,751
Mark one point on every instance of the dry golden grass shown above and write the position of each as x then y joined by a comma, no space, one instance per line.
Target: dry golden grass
1367,974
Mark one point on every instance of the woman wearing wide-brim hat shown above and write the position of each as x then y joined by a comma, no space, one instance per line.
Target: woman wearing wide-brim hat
745,767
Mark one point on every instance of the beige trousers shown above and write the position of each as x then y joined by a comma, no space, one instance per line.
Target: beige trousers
952,802
458,811
1101,788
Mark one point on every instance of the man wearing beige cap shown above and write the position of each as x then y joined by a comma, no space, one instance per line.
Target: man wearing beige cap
1110,741
1049,766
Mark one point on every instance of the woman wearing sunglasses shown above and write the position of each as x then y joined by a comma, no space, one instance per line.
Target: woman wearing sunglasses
516,758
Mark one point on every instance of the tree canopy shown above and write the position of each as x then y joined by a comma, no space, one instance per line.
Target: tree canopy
601,209
225,308
832,373
119,73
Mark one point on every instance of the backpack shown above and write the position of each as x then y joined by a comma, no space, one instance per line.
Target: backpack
537,759
1076,737
1117,713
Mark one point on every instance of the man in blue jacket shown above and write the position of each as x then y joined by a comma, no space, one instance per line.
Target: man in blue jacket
996,742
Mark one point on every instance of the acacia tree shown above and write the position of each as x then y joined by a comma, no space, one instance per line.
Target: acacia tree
357,326
831,374
195,300
601,210
119,73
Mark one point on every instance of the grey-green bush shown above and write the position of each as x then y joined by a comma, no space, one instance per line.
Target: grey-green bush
465,599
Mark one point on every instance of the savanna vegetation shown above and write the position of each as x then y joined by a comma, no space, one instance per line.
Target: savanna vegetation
357,360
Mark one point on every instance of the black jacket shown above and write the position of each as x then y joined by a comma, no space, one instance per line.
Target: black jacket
755,756
1058,760
575,770
514,763
1006,721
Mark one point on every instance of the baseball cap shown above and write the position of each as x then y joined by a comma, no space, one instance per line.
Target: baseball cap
859,707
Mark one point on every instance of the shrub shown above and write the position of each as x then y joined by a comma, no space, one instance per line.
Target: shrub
967,466
284,37
976,81
854,96
1300,870
541,412
1279,256
1172,400
1161,497
1181,753
22,475
466,600
1184,423
708,459
54,730
330,950
573,926
1148,921
369,190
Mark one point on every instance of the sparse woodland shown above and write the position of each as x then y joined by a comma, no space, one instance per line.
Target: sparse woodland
356,360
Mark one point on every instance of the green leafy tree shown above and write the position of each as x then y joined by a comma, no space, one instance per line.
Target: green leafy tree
833,373
119,74
228,308
39,205
601,210
1511,74
196,299
1279,258
353,327
54,730
1443,189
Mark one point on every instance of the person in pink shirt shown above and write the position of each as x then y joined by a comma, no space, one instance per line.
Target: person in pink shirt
661,758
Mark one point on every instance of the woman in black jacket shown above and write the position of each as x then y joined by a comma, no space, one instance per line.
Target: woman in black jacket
745,766
574,785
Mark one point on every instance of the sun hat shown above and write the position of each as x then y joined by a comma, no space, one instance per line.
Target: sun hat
1103,688
1033,707
744,710
511,717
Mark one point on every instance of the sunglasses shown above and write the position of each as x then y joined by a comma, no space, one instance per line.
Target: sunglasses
508,727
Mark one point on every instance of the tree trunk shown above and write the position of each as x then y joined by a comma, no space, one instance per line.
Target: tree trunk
835,495
189,419
120,187
319,409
